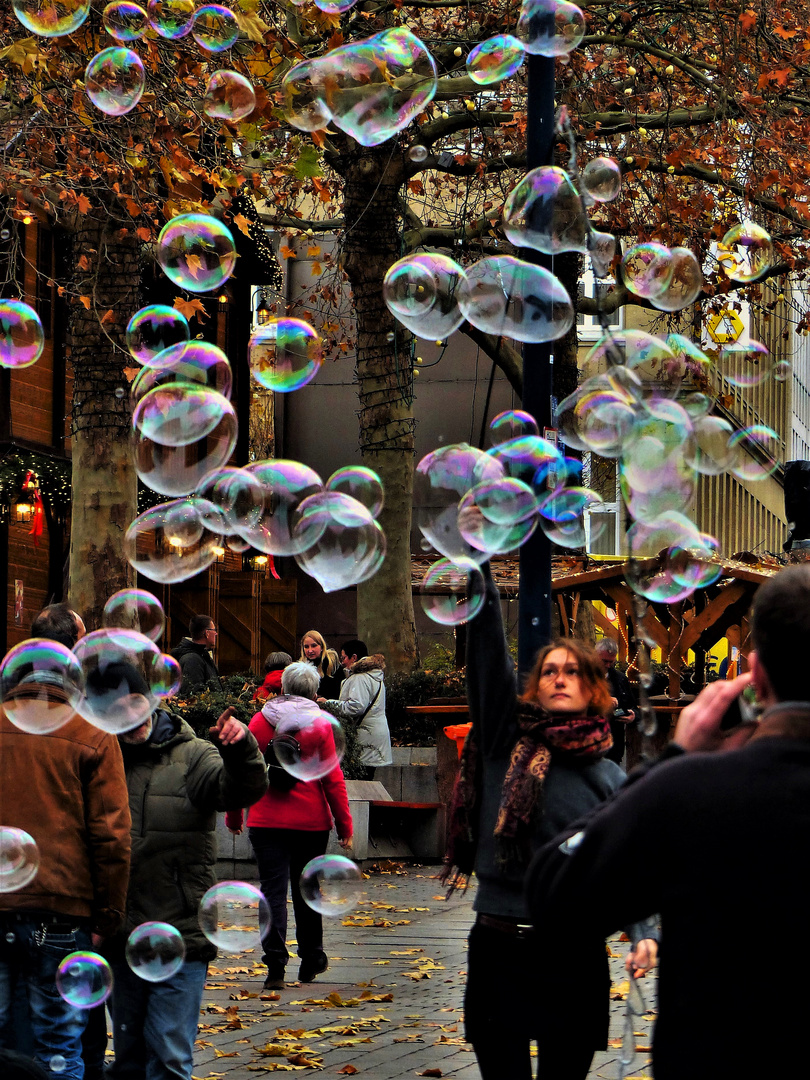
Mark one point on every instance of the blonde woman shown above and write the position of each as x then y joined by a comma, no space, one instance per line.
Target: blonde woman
314,651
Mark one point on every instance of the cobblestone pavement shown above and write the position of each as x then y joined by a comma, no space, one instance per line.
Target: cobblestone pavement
388,1007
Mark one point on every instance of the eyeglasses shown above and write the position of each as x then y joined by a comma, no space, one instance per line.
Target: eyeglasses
552,673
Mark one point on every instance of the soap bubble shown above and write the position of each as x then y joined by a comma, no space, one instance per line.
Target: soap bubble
604,421
340,542
758,447
40,685
562,516
453,591
172,19
550,27
712,453
285,354
175,470
505,296
497,516
601,179
57,1064
422,291
114,80
309,743
229,96
230,497
22,338
418,153
125,677
544,211
649,543
695,562
529,458
125,20
196,252
303,105
84,980
155,951
169,543
154,329
781,370
178,414
746,252
512,424
654,473
234,916
441,479
496,59
197,364
361,483
647,269
684,286
51,18
745,364
215,28
286,485
602,250
696,404
335,7
690,361
332,884
135,609
19,859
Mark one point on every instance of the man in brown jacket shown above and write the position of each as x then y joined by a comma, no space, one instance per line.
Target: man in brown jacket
67,790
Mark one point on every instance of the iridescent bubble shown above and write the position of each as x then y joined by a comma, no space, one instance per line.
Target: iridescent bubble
418,153
604,420
505,296
684,286
124,678
746,252
745,364
114,80
125,20
602,250
196,252
647,269
335,7
303,105
497,516
601,179
169,543
441,480
550,27
22,338
544,212
215,28
135,609
51,18
154,329
453,591
235,543
229,96
341,543
361,483
696,405
332,884
652,581
196,364
285,354
155,951
646,539
782,370
654,472
696,562
234,916
712,453
496,59
19,859
286,485
691,362
40,685
423,291
528,458
228,498
171,18
179,414
758,448
177,470
308,742
512,424
84,980
562,516
57,1064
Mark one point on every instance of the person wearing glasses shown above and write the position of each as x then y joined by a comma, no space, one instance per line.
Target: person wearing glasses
193,654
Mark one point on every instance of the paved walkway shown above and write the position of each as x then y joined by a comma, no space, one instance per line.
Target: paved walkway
389,1006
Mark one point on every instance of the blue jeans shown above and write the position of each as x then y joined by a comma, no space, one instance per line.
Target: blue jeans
31,949
155,1024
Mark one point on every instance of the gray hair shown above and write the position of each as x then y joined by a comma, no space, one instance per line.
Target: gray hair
608,647
300,678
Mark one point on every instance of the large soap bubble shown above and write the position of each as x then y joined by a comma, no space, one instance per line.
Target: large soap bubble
341,543
178,414
505,296
512,424
125,20
695,563
563,512
51,18
544,211
196,252
155,951
41,684
169,542
332,884
19,859
302,90
550,27
230,497
531,459
199,363
114,80
745,363
135,609
758,447
229,96
422,291
712,454
655,474
177,470
154,329
286,485
601,179
453,591
285,354
441,480
647,269
309,743
684,286
84,980
497,516
22,338
172,19
215,28
234,916
746,252
361,483
495,59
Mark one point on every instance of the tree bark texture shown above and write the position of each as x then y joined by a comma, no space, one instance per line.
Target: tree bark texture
105,268
373,179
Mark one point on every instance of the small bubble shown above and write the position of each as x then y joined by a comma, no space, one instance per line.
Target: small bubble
390,336
57,1064
10,938
5,234
535,621
119,392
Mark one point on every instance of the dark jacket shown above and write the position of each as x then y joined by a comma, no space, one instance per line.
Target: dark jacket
199,670
620,689
177,783
716,843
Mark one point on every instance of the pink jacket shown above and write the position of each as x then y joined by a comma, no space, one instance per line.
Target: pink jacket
309,806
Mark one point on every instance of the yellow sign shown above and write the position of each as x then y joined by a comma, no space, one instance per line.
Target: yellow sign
725,326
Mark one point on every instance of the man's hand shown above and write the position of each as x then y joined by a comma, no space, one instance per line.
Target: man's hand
642,958
698,725
228,730
346,842
235,832
320,700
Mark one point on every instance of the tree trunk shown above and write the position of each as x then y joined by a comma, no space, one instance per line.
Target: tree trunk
373,178
105,268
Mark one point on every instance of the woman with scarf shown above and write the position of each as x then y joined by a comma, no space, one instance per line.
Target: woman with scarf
531,764
314,651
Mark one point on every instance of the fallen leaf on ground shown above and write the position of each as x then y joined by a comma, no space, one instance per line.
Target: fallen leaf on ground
348,1070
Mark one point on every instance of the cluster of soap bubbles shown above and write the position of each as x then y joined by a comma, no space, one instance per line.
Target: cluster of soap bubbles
22,338
285,354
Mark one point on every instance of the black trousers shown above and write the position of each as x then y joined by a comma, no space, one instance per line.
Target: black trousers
281,855
505,1010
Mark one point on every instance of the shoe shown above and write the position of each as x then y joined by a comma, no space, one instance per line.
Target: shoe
274,982
310,968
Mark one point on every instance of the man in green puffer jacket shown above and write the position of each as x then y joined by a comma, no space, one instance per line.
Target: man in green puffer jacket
177,783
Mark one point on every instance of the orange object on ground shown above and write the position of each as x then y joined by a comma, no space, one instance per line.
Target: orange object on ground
458,732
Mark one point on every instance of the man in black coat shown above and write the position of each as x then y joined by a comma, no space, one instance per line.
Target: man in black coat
624,700
714,837
193,654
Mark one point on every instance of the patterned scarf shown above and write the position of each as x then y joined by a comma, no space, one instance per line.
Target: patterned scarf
542,738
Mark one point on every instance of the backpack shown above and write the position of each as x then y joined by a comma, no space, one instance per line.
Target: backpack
277,776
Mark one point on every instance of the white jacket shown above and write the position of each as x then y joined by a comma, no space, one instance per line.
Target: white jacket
363,685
